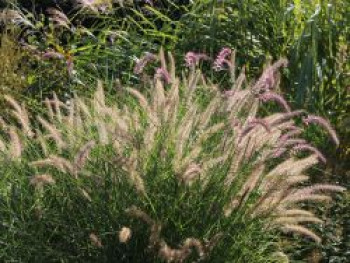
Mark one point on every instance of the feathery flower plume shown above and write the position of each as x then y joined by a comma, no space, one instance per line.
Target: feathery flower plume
268,96
262,122
319,188
136,212
57,104
143,61
252,123
85,194
53,54
42,142
283,144
295,212
268,79
124,235
87,4
95,240
169,254
300,197
58,162
195,243
16,17
83,107
302,230
16,145
181,254
42,179
21,114
102,132
242,196
13,103
324,123
297,179
137,181
55,134
163,74
307,147
222,59
289,135
192,59
279,152
291,142
82,156
292,127
297,219
59,18
303,164
95,6
192,172
48,105
283,117
280,257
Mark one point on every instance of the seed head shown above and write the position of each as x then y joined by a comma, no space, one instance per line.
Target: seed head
124,235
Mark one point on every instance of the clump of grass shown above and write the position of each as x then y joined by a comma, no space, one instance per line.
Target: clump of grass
182,173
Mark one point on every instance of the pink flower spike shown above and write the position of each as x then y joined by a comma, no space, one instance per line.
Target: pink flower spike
268,96
164,74
289,134
292,127
278,153
287,116
52,54
58,17
252,124
268,79
324,123
221,59
143,61
192,59
261,122
307,147
224,53
291,142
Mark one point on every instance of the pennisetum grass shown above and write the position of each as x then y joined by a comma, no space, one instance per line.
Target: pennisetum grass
180,173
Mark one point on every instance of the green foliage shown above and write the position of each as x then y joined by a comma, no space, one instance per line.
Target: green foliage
319,71
19,73
254,28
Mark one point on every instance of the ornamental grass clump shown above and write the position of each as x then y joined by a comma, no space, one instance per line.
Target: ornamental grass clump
180,173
